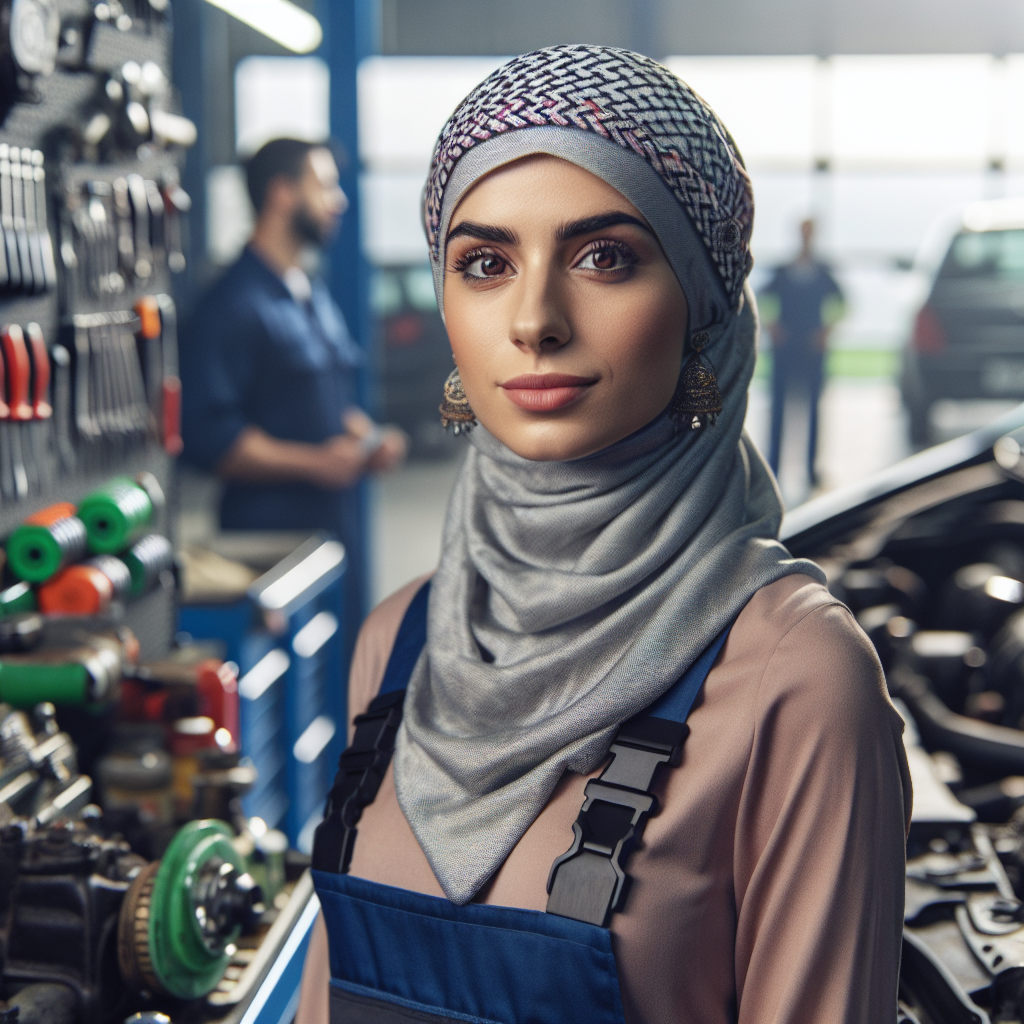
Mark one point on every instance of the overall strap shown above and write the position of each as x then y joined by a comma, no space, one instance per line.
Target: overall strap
589,882
365,761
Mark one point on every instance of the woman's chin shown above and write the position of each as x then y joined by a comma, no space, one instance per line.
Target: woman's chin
553,441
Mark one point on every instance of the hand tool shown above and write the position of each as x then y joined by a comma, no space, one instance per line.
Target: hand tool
85,419
7,219
46,542
125,233
177,203
6,454
150,329
62,402
41,428
157,241
28,200
171,397
19,372
45,238
18,213
141,216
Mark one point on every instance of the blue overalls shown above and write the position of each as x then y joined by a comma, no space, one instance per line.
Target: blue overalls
398,956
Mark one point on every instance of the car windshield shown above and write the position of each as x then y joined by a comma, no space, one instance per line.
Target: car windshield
986,254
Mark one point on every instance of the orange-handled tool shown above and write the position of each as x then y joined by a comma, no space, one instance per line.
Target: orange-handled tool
41,408
19,371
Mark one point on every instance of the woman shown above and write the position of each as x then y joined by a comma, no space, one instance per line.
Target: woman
609,572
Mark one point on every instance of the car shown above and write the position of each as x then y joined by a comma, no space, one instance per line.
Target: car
929,555
415,357
967,340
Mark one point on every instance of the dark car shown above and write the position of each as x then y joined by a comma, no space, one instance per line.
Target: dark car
929,555
415,357
968,337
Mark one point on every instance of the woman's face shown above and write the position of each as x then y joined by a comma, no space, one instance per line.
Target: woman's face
564,316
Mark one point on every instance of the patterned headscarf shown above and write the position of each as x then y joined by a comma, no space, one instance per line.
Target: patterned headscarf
627,99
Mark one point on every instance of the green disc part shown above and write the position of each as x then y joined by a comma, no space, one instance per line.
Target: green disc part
182,961
24,684
34,553
19,598
115,515
146,560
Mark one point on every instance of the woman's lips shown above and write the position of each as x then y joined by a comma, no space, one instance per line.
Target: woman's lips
545,392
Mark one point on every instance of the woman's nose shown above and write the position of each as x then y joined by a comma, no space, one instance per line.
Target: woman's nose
539,321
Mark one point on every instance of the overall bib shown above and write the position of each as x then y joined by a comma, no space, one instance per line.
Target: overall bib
398,956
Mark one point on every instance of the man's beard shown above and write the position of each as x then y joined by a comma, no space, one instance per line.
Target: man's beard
307,230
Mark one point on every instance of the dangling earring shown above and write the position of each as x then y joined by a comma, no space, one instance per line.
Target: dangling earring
454,407
697,400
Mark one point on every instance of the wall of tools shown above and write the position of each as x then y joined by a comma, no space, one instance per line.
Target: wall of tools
132,884
93,224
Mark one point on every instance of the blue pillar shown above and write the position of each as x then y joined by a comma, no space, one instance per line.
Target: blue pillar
352,32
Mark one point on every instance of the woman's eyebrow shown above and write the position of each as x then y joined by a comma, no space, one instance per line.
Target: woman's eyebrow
575,228
484,232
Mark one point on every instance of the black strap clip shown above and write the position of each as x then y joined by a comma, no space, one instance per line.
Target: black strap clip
361,770
589,882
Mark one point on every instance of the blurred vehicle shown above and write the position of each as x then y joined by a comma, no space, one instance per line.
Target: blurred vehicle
416,357
968,337
929,555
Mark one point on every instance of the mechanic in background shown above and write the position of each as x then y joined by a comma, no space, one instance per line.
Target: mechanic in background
799,306
269,371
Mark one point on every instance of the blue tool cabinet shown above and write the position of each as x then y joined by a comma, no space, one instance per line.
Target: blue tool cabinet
287,638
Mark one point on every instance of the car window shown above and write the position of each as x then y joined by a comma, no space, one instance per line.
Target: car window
419,286
986,254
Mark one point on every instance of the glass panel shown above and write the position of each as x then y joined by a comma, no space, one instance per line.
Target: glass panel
419,287
986,254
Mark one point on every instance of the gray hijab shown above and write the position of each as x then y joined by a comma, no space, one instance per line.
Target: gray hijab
571,595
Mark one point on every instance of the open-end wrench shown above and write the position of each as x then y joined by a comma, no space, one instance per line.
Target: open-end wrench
20,229
62,408
157,228
45,238
28,201
125,231
141,218
19,373
177,203
85,419
7,219
41,427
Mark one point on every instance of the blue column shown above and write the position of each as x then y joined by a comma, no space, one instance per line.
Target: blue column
352,32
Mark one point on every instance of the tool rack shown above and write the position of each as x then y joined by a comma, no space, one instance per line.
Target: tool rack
92,230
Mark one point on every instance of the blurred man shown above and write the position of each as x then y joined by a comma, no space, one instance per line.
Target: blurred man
269,370
799,307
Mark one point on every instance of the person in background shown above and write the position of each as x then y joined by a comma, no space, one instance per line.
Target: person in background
269,370
800,305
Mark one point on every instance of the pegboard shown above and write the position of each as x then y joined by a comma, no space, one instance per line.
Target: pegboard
90,126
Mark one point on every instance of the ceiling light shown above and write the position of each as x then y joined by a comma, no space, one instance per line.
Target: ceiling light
280,20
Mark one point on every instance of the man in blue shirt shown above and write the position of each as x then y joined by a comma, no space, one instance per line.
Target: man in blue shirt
269,370
799,306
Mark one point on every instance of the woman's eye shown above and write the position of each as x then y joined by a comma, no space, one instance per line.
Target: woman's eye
486,265
605,258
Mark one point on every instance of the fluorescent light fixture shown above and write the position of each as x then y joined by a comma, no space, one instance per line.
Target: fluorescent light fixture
295,29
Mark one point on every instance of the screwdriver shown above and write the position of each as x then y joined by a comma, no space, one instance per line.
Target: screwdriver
19,410
41,428
170,420
62,408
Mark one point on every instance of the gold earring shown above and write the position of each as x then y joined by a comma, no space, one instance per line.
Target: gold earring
454,407
697,401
